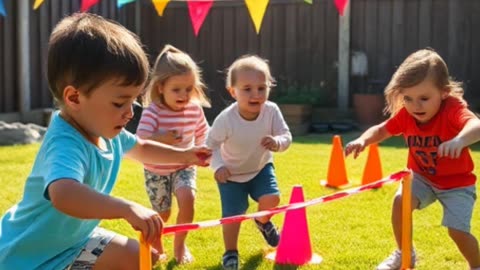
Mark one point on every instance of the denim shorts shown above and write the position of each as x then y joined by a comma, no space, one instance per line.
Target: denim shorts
87,258
234,195
457,203
160,188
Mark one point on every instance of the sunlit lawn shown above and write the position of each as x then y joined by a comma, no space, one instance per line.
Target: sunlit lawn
350,233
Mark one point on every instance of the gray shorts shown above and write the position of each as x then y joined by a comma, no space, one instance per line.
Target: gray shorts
87,258
161,187
457,203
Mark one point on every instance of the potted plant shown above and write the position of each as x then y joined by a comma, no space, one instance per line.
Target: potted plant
368,103
296,104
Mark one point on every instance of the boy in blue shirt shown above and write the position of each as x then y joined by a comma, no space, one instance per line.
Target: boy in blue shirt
96,70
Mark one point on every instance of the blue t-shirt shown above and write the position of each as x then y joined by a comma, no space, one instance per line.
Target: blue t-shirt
34,234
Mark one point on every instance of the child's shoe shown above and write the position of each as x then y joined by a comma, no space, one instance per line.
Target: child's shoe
269,232
394,261
230,260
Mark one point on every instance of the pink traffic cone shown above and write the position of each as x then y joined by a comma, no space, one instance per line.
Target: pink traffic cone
294,247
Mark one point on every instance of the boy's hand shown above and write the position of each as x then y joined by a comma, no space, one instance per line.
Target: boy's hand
145,220
200,155
355,147
222,175
270,143
171,137
451,148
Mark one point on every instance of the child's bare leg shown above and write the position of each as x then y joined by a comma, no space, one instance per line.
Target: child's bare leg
468,246
185,199
158,245
230,235
397,217
267,202
121,253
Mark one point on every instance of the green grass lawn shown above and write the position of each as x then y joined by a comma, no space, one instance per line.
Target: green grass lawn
350,233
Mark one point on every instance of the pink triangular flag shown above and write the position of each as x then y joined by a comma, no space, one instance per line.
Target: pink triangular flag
87,4
198,12
341,4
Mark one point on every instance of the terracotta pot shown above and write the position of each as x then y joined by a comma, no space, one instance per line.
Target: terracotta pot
297,116
368,108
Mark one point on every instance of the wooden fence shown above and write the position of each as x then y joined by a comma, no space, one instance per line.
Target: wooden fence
300,41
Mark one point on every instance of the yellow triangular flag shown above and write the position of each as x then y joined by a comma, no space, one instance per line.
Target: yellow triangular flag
37,4
160,6
257,10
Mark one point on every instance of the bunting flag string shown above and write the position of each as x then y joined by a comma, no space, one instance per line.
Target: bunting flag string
160,6
198,12
121,3
37,4
87,4
2,9
198,9
341,4
257,10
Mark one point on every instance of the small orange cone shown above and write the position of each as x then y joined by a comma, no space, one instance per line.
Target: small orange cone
337,172
295,247
373,168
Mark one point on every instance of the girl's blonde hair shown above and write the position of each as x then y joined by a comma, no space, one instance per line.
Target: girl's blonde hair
415,69
250,63
173,62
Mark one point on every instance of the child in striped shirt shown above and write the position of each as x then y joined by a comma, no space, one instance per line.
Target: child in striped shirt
174,116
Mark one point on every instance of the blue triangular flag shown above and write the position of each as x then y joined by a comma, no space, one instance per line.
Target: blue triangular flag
2,9
120,3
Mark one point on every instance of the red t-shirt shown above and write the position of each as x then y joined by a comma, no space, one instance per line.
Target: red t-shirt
423,142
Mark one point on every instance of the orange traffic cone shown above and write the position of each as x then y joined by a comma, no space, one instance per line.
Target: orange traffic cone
295,247
373,168
337,172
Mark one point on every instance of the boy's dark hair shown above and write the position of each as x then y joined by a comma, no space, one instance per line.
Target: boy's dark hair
86,50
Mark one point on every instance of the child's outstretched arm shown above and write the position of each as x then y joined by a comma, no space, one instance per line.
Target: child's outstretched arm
469,134
374,134
147,151
78,200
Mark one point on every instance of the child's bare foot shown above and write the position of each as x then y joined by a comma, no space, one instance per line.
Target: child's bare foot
162,258
183,255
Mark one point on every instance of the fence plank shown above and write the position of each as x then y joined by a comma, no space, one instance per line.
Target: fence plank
371,26
424,23
10,51
384,48
300,40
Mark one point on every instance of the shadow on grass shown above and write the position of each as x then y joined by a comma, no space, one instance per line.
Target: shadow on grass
285,267
252,262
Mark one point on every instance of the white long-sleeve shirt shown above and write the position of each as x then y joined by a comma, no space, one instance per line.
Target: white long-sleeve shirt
236,142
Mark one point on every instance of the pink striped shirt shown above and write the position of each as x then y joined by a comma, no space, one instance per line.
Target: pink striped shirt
190,123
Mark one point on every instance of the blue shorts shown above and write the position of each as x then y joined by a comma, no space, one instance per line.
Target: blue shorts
234,195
